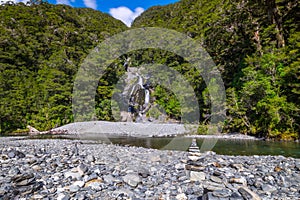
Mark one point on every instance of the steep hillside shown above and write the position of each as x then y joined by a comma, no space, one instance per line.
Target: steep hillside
255,45
41,47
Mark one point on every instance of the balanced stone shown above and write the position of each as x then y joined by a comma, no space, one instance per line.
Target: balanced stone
197,176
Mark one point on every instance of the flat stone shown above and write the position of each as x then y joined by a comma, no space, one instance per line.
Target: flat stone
155,158
239,167
216,179
194,168
240,180
193,158
197,176
222,193
268,188
248,194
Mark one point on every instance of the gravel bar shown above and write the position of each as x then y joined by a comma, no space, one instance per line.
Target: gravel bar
74,169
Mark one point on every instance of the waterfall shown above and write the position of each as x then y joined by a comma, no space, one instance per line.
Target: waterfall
147,97
140,81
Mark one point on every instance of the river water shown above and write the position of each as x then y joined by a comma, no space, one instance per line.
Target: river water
222,146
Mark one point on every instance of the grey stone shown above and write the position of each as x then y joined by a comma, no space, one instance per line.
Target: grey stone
82,168
74,188
236,196
62,196
268,188
248,194
132,179
143,172
222,193
216,179
90,158
240,180
181,196
11,154
197,176
73,175
155,158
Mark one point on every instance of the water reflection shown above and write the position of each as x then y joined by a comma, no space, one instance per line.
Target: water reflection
223,146
226,147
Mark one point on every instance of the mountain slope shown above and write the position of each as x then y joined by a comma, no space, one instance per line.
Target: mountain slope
255,45
41,48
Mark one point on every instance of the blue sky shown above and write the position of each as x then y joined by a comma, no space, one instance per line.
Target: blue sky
125,10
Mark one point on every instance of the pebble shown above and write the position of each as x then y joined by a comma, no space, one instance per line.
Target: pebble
52,169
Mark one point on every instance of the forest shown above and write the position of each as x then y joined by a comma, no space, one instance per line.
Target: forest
255,45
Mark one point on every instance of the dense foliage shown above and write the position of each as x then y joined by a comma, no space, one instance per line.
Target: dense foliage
255,45
41,48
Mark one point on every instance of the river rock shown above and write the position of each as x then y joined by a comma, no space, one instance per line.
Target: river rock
51,170
132,179
268,188
90,158
73,175
181,196
216,179
240,180
143,172
224,193
82,169
248,194
197,176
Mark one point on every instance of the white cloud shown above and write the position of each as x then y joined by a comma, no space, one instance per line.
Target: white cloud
90,3
125,14
15,1
66,2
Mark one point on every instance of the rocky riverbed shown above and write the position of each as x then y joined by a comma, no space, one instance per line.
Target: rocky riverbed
71,169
